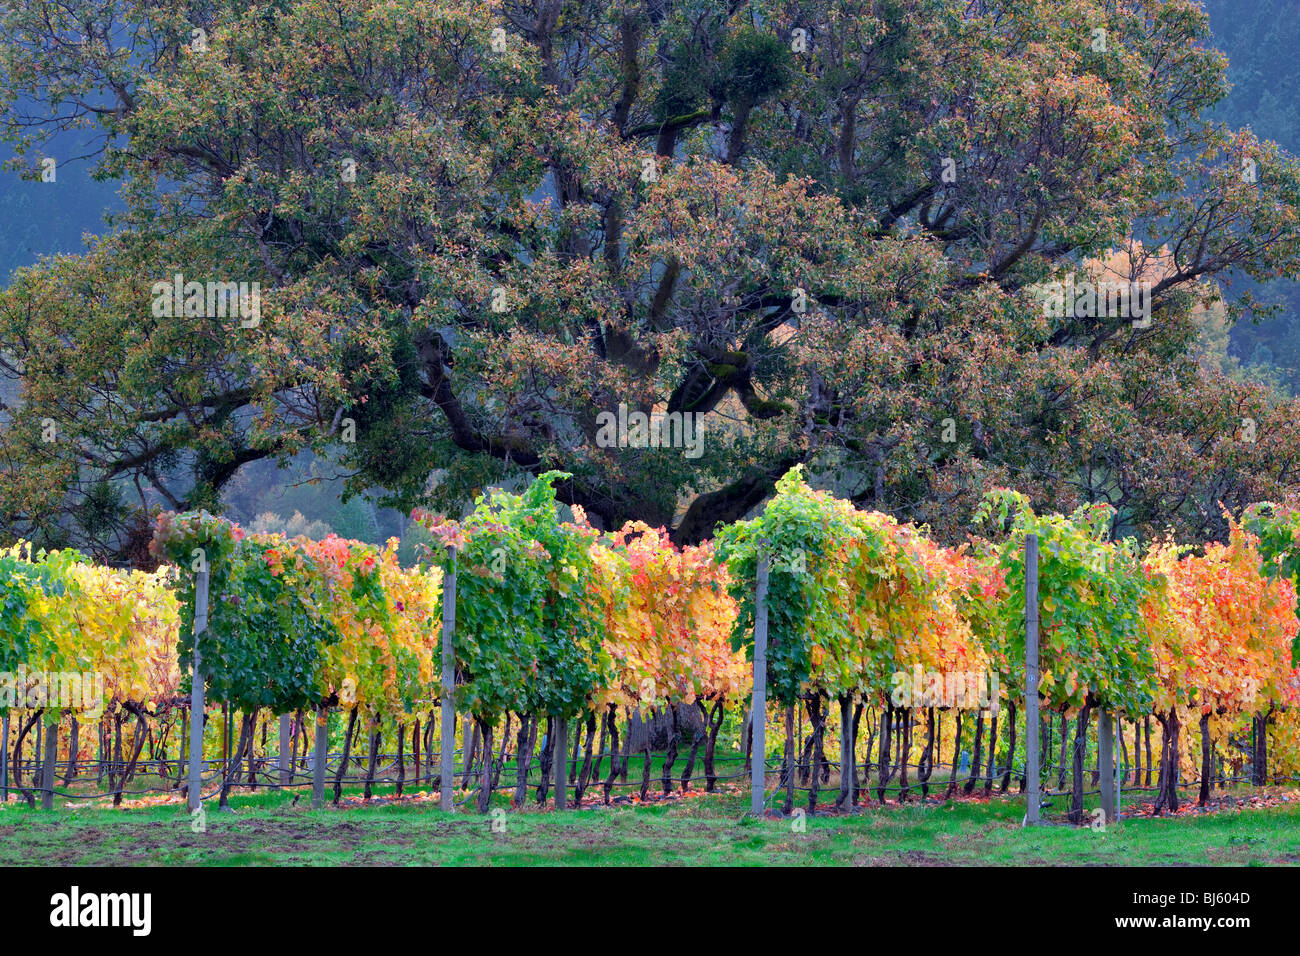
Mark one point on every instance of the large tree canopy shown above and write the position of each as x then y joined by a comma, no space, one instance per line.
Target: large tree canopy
823,227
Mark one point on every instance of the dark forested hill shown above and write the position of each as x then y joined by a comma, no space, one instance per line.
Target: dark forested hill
1261,39
43,218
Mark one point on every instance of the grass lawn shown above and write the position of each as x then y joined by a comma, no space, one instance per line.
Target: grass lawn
263,828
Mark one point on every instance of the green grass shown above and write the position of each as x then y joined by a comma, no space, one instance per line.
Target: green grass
265,829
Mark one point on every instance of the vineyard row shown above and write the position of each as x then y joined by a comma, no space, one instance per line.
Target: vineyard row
558,622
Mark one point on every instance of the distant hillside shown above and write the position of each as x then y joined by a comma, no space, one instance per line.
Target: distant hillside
1260,39
43,218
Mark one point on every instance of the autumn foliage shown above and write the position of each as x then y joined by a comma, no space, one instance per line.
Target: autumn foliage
557,619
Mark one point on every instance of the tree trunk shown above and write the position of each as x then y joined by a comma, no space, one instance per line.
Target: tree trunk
185,736
1207,762
472,754
372,758
1065,740
904,750
645,770
1256,777
937,759
614,757
139,739
991,768
548,748
231,775
805,749
926,767
299,734
625,764
74,745
430,728
415,752
524,743
1044,747
103,751
825,765
886,772
956,756
574,751
23,730
1259,758
1146,724
600,747
252,750
116,779
714,724
1167,785
818,721
1080,751
1123,754
1011,748
696,741
978,757
401,758
1096,772
347,752
1263,742
857,779
671,756
485,778
789,761
1046,726
501,754
584,775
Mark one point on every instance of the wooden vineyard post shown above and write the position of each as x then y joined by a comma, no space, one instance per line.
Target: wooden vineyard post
758,722
848,759
47,767
1106,760
321,745
1033,782
195,795
285,754
448,679
559,760
4,758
